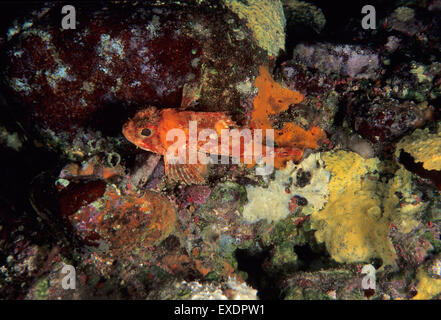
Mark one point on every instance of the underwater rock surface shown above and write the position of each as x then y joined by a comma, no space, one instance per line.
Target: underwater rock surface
129,55
354,117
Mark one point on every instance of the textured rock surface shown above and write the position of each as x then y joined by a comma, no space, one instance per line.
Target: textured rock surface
359,109
127,56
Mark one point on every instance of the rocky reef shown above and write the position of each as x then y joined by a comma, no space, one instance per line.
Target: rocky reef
354,116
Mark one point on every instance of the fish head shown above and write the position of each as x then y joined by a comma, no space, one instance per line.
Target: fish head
143,130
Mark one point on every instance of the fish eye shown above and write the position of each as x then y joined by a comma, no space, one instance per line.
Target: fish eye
146,132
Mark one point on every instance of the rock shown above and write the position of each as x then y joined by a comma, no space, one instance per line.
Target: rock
145,53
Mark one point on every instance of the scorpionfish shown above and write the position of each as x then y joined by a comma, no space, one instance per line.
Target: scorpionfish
149,127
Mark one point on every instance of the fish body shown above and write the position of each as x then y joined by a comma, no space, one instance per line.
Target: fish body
149,130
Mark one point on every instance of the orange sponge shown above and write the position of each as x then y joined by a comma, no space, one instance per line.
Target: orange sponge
273,99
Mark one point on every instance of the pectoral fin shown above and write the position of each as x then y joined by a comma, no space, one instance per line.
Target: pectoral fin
186,173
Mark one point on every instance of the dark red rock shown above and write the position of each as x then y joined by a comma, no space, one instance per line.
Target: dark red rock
297,77
78,194
125,57
386,120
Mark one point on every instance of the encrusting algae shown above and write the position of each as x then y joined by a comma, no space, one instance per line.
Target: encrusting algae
126,221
